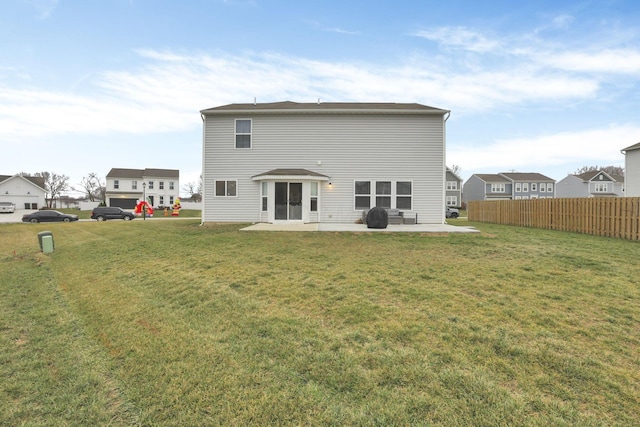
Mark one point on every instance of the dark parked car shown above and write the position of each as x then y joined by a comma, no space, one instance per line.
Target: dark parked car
48,216
104,213
452,213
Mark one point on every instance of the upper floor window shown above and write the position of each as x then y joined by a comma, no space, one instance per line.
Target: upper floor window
498,187
525,187
452,185
518,187
134,185
170,185
601,187
549,187
161,185
243,133
543,187
116,184
150,185
534,186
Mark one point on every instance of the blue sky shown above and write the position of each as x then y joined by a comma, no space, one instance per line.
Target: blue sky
544,86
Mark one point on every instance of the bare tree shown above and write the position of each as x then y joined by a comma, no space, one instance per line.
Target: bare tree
194,189
94,187
611,170
456,169
54,185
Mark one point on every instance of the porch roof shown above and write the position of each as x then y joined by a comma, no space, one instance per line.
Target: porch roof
290,174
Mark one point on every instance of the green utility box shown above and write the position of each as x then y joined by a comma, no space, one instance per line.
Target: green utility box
45,238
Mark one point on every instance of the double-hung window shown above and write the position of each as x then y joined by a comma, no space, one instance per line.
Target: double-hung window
363,195
226,188
498,187
601,187
518,187
134,185
161,185
116,184
243,133
150,185
265,194
383,194
314,197
403,195
452,185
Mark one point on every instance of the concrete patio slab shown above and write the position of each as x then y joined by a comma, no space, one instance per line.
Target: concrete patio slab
391,228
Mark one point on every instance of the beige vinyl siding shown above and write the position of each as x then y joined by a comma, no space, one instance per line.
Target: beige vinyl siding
350,147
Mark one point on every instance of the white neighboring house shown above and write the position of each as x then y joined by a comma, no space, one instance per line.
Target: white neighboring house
26,192
632,170
322,162
126,187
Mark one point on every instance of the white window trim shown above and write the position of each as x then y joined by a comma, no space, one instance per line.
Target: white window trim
452,185
235,133
372,193
498,187
525,187
215,182
518,187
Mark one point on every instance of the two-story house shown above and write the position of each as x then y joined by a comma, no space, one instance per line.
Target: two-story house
453,190
632,170
591,184
322,162
508,186
126,187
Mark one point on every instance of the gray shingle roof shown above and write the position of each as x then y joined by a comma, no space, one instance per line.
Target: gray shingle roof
327,107
139,173
526,176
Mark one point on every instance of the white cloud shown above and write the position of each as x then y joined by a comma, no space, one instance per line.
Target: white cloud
460,37
585,147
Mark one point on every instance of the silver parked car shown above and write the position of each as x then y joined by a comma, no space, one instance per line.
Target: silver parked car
452,213
7,207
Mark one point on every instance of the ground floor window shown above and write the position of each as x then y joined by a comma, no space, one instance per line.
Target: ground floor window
383,194
452,201
226,188
314,196
265,194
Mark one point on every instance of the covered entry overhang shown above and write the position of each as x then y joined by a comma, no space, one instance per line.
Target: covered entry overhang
290,175
291,195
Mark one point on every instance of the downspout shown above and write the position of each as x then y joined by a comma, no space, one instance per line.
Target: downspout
202,201
444,162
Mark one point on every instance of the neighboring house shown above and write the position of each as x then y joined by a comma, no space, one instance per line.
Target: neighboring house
453,189
126,187
26,192
322,162
508,186
632,170
530,185
486,187
591,184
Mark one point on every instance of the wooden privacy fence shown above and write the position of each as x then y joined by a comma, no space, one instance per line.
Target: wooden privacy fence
611,217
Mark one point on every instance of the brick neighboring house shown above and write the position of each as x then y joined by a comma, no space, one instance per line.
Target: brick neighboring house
126,187
508,186
591,184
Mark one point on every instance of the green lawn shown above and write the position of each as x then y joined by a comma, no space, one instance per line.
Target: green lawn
174,324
